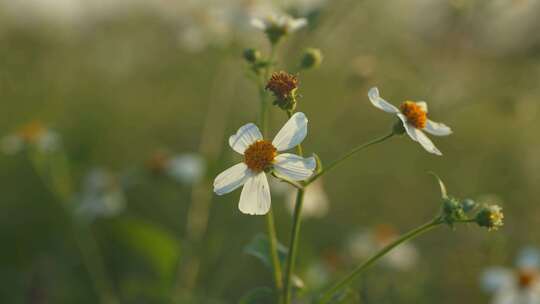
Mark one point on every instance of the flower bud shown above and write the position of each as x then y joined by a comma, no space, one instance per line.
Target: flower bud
452,211
251,55
468,204
311,59
490,217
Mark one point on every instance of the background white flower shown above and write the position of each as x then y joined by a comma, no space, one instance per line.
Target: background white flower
186,168
316,202
260,155
367,242
515,286
414,118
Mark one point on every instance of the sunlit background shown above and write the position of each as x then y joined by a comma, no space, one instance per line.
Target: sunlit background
128,95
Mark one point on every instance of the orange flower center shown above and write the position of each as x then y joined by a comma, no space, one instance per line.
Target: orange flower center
414,113
260,155
31,131
526,278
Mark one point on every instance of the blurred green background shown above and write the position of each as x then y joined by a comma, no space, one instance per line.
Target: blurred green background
121,82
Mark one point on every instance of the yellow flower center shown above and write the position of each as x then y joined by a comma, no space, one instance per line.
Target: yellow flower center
496,217
526,278
414,113
31,131
260,155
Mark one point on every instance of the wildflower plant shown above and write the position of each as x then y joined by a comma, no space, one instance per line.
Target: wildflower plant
261,160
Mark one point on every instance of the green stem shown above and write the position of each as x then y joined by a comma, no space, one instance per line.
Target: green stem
327,296
270,223
291,256
347,155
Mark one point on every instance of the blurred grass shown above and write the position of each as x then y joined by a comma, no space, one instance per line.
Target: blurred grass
123,88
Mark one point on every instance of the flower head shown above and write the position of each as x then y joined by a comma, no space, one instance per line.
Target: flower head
413,116
490,217
185,168
33,134
284,86
518,285
367,242
275,27
262,156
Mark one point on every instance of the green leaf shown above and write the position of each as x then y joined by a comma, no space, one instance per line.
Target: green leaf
153,243
259,295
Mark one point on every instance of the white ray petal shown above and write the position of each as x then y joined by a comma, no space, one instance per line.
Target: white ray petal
437,128
255,197
244,137
426,142
231,179
380,103
294,167
292,133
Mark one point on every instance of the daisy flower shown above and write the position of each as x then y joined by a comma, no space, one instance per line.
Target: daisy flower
367,242
33,134
414,118
519,285
277,26
262,156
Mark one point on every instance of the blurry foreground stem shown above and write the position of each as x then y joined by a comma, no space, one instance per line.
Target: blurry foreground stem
345,282
291,256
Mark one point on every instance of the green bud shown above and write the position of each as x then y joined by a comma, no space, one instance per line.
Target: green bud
452,211
311,58
490,217
251,55
468,204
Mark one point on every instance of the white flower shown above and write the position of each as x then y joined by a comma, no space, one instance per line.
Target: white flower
414,118
315,201
260,155
285,22
101,196
515,286
33,134
186,168
366,243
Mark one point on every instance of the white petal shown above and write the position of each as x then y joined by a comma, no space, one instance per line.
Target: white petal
422,105
495,278
419,136
255,197
258,24
296,24
437,128
231,179
380,103
294,167
244,137
292,133
426,142
408,127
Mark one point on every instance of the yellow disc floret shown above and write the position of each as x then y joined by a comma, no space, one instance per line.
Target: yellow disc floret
260,155
414,113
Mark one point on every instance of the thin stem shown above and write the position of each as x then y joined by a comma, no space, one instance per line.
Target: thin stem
327,296
270,223
291,256
347,155
290,182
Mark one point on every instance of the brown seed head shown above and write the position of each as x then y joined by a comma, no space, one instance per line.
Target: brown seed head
282,84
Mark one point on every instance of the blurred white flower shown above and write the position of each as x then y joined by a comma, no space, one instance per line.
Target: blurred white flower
101,196
414,118
261,155
187,168
33,134
366,243
515,286
315,201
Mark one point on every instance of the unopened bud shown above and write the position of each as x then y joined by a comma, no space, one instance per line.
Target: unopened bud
312,58
251,55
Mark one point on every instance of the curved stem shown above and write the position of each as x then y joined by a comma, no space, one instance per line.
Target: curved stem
347,155
291,256
327,296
